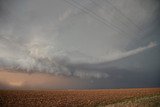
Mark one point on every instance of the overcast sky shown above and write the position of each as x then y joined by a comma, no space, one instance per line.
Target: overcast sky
95,43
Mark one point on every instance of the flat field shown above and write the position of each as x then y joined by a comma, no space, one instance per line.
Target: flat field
137,97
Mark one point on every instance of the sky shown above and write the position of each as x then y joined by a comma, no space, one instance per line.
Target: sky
79,44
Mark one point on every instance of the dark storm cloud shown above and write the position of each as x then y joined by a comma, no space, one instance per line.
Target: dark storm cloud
121,78
60,39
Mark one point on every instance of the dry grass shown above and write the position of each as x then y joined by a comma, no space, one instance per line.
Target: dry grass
75,98
146,101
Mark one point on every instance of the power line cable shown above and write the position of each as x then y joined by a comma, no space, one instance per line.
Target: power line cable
97,17
115,17
123,14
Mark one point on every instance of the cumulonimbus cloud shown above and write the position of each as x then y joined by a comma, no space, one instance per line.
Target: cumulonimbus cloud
27,41
41,57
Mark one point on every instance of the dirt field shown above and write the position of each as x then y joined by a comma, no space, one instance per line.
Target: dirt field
81,98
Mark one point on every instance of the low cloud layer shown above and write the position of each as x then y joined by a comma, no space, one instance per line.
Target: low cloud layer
41,57
119,54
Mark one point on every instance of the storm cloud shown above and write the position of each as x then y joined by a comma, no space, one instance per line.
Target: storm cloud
84,39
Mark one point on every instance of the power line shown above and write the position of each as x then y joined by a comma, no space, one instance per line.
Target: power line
109,23
97,17
123,14
100,7
115,17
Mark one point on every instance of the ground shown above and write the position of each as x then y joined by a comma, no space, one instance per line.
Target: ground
137,97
